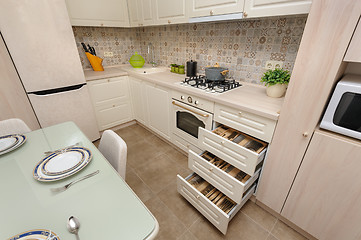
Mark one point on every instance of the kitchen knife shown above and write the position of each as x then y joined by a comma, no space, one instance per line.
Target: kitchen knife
92,50
85,48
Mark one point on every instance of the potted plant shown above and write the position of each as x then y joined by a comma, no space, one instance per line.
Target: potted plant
176,68
181,69
276,82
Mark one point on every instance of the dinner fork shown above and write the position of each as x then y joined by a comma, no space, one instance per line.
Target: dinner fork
60,149
63,188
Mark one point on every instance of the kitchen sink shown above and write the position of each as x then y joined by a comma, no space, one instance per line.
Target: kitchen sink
148,69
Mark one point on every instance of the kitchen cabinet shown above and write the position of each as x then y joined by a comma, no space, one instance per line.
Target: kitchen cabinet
170,11
111,100
158,103
262,8
301,113
324,199
141,12
139,100
353,53
107,13
201,8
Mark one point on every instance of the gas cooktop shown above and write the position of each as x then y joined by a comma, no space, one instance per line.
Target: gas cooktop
201,82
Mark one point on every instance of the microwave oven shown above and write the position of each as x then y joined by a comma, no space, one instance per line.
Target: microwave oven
343,113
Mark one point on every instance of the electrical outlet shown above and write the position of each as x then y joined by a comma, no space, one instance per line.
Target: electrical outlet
273,65
108,54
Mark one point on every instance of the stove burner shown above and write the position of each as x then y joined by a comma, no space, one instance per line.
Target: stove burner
202,82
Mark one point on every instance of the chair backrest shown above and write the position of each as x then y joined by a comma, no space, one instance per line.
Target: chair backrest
13,126
114,149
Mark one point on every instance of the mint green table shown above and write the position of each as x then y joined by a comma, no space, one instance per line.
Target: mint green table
105,205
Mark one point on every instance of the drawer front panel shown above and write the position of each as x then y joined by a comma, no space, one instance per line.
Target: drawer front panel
215,215
112,114
224,182
184,145
107,89
249,123
240,157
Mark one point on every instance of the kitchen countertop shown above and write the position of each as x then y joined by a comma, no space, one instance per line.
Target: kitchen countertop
249,97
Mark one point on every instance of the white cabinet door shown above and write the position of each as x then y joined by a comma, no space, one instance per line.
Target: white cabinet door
199,8
147,12
135,13
158,102
263,8
138,100
109,13
111,100
170,11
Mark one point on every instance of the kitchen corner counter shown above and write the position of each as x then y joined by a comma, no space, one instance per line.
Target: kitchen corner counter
107,73
249,97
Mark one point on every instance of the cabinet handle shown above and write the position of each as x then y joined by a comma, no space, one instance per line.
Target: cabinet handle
239,113
211,12
203,115
211,169
168,21
188,145
223,142
197,197
245,14
305,134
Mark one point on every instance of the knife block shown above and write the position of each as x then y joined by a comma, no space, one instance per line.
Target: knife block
95,61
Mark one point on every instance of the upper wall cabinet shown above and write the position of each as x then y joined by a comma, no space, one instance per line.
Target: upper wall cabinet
107,13
264,8
201,8
141,12
170,11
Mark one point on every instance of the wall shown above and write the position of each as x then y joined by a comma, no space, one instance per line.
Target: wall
243,46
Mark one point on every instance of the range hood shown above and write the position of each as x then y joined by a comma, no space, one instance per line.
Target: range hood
222,17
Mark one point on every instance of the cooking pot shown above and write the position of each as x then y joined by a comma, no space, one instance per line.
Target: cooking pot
216,73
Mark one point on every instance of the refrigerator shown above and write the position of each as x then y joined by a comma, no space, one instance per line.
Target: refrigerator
40,40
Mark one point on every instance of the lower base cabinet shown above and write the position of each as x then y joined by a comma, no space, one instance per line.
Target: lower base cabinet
325,197
111,101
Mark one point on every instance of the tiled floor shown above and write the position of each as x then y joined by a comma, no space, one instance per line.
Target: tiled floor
152,167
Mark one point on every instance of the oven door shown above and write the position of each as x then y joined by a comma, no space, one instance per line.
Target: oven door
188,119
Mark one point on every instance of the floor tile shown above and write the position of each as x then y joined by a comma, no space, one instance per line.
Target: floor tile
159,172
271,237
284,232
178,205
187,236
141,153
259,215
138,186
178,157
170,227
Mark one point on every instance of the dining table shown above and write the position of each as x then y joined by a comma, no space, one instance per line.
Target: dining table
104,204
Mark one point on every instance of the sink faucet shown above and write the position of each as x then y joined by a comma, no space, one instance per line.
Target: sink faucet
151,52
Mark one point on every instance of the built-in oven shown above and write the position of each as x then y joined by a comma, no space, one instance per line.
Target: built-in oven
190,113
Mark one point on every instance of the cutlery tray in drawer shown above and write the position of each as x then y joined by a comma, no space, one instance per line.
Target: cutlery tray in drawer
208,200
222,175
242,151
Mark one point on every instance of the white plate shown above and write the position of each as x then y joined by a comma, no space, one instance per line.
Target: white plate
37,234
11,142
63,161
40,175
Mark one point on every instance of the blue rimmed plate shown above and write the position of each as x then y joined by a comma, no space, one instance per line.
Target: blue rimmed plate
11,142
62,164
37,234
63,161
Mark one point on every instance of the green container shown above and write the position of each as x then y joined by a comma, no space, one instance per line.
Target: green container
172,69
181,71
136,61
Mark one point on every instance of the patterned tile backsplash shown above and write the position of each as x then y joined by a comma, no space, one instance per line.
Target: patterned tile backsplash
243,46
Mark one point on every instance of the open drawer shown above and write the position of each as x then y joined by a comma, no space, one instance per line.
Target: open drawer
222,175
242,151
209,201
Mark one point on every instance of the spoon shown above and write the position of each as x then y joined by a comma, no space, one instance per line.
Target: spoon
73,225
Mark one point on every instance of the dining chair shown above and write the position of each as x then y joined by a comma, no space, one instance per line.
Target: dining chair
13,126
114,149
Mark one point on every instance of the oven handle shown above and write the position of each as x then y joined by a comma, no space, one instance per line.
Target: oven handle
203,115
